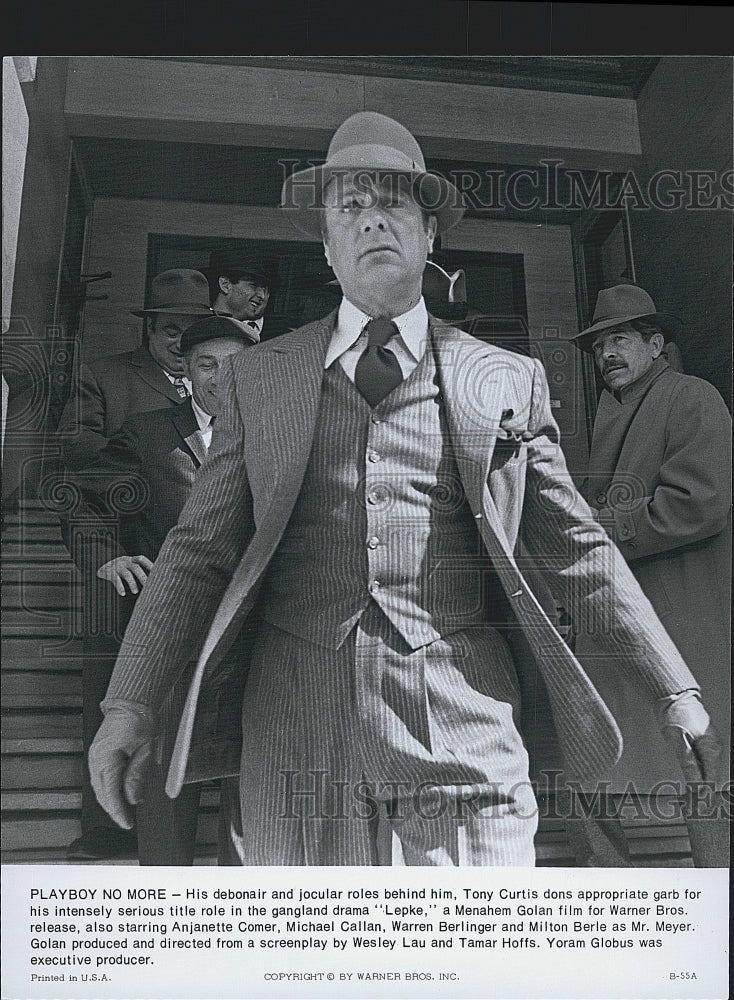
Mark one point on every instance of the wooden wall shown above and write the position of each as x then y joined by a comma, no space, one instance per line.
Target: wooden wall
38,256
684,256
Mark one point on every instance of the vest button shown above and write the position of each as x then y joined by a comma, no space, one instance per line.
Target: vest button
373,542
374,586
373,456
601,499
375,420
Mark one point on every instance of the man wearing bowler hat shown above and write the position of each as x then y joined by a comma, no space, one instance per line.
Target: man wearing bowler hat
659,480
240,286
369,478
110,390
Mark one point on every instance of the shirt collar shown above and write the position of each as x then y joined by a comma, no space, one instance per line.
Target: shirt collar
203,418
351,321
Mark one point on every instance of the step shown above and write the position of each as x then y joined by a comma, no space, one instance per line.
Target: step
47,742
41,653
43,685
42,771
57,856
33,800
57,829
18,724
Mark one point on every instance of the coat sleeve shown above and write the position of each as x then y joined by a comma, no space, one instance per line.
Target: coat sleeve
195,564
584,569
692,495
82,430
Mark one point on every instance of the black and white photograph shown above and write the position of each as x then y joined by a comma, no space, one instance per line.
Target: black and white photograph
366,504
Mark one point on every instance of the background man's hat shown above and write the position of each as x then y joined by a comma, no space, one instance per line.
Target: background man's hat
212,328
622,304
235,264
372,142
180,290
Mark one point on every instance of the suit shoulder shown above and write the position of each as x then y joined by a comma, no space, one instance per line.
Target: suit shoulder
520,363
112,364
690,389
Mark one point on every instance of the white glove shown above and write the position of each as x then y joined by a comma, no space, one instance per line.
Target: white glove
687,727
118,760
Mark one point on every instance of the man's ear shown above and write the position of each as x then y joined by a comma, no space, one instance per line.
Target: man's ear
657,342
225,285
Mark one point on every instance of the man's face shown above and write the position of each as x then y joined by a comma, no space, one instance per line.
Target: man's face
376,239
623,355
203,364
164,337
246,299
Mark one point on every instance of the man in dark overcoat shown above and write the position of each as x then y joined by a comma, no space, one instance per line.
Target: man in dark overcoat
660,481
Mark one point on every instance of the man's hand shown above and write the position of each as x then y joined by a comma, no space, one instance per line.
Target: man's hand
687,727
130,570
118,760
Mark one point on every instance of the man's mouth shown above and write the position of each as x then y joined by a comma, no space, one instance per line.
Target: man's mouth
610,369
379,249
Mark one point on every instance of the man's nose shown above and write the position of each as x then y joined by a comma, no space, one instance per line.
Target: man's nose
373,218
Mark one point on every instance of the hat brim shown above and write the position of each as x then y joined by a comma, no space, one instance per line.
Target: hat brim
270,282
176,310
670,325
303,195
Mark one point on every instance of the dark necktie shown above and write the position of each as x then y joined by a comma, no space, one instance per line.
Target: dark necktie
378,372
180,387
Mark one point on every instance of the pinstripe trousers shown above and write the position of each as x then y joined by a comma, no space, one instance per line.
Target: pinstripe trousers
374,753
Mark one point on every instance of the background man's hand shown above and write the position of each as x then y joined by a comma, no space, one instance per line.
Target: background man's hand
130,570
118,760
687,727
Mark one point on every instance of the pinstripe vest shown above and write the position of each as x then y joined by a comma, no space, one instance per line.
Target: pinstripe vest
381,516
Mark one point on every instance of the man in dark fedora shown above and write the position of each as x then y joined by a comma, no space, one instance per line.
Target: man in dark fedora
110,390
659,480
369,478
240,286
154,457
151,376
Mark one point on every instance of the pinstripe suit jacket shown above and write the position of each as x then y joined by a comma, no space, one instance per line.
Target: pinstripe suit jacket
514,476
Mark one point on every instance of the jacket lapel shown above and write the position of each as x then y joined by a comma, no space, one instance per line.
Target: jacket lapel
289,378
472,377
153,374
185,423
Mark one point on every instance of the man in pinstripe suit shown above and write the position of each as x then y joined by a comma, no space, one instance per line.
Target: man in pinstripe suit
372,479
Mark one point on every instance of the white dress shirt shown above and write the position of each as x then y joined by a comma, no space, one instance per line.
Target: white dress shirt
204,420
349,339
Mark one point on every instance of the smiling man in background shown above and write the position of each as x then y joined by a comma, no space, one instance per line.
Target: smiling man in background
240,287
